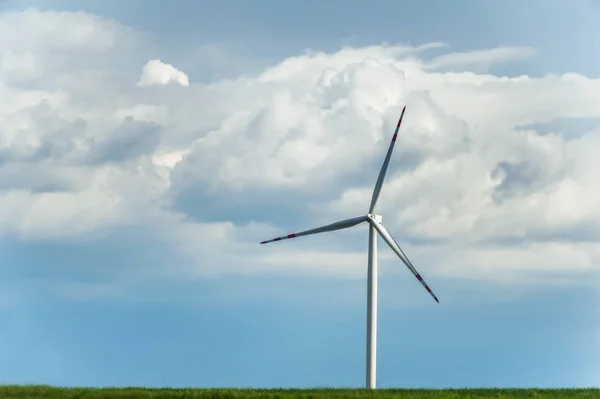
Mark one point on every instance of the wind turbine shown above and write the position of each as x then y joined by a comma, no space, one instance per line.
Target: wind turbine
375,227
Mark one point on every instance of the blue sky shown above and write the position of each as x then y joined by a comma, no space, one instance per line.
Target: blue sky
123,267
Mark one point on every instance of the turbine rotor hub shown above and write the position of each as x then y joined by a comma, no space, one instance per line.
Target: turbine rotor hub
375,217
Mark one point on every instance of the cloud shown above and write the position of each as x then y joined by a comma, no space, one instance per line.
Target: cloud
206,171
156,72
40,45
480,59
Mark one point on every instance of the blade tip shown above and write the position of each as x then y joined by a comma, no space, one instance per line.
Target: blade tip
263,242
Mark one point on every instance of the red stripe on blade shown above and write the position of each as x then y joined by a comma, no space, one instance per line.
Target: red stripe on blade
291,236
401,115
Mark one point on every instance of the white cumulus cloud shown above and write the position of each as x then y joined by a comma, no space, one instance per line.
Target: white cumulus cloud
210,171
158,73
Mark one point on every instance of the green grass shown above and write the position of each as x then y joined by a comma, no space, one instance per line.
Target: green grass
31,392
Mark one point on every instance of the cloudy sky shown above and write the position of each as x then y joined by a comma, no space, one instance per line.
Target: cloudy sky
146,149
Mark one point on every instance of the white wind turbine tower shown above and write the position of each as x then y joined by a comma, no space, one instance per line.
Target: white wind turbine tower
375,227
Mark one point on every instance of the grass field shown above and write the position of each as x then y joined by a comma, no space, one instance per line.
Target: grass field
31,392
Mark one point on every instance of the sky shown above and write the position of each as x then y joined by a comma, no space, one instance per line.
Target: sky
146,149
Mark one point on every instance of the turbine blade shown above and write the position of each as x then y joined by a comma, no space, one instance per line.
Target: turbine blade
387,237
342,224
384,167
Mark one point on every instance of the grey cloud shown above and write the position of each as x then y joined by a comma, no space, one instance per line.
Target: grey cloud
517,178
37,178
576,233
570,127
58,140
132,139
270,205
64,151
56,135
